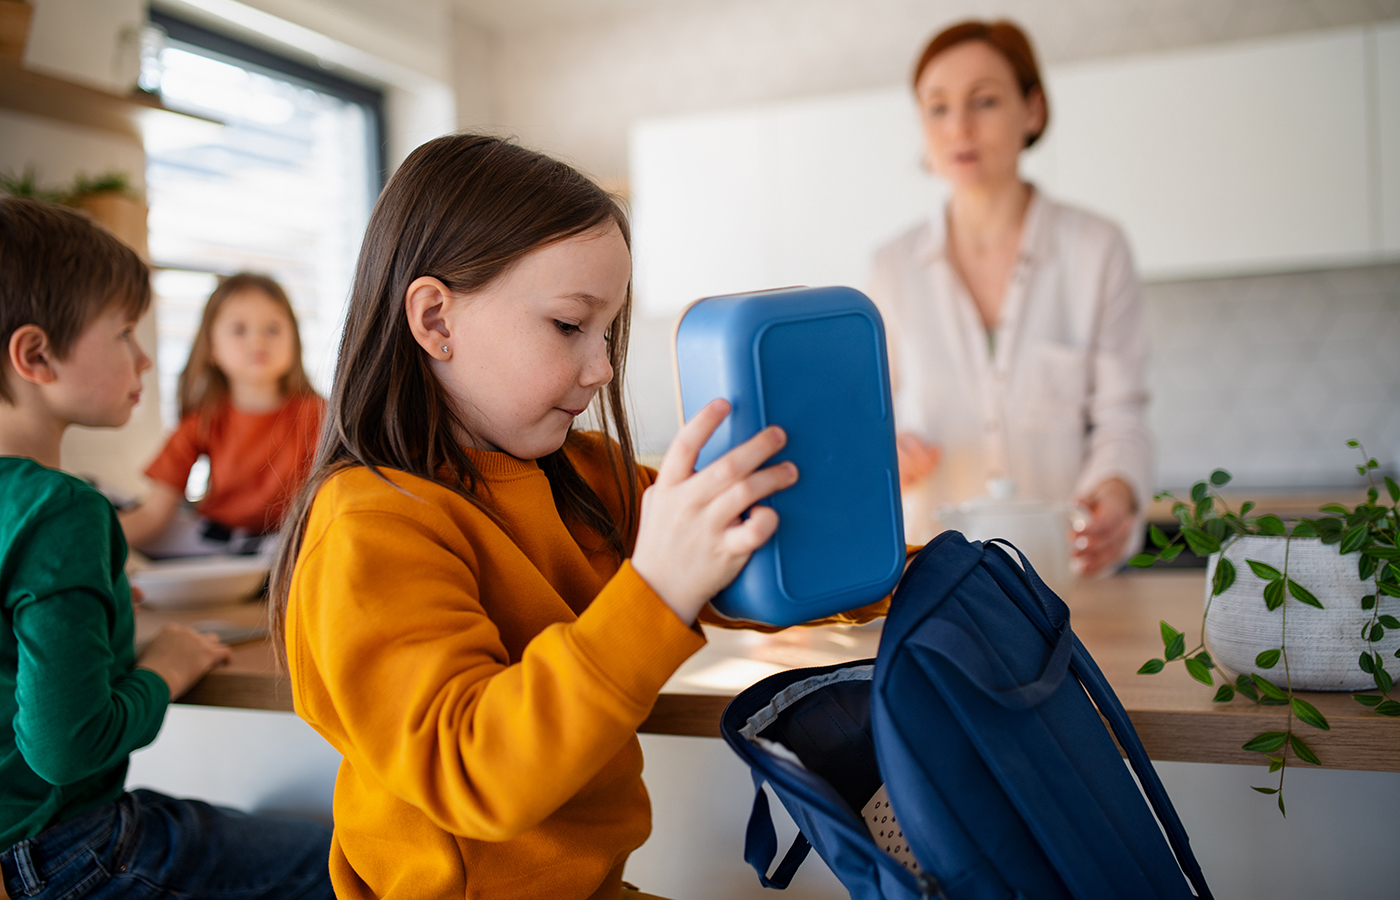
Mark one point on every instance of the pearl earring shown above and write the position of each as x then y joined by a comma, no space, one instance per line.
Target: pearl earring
446,349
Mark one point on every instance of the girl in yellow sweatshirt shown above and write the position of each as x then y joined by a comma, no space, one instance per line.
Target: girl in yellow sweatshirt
477,602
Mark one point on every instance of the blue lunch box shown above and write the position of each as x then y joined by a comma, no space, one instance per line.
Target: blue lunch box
811,360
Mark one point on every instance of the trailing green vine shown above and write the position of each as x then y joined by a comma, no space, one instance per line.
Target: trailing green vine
1209,526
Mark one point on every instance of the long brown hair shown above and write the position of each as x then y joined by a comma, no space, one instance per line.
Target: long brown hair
464,209
1006,38
203,386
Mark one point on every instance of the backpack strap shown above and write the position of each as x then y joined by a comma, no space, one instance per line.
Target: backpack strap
1087,671
969,655
761,843
1112,710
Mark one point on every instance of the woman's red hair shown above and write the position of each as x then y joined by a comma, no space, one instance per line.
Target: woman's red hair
1003,36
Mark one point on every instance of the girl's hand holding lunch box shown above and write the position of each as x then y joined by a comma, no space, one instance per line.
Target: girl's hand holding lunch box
693,538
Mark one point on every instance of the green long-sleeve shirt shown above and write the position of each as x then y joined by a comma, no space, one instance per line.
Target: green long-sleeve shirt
73,705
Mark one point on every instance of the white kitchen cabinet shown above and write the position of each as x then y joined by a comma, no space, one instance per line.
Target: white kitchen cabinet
1246,157
798,193
1272,155
1386,107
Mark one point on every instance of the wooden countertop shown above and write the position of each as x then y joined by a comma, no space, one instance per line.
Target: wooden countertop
1116,618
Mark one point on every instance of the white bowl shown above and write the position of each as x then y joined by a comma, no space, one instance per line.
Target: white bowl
200,581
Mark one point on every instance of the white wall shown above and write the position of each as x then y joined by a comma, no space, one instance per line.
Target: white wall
575,89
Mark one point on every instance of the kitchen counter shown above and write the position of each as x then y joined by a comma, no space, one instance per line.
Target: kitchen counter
1116,618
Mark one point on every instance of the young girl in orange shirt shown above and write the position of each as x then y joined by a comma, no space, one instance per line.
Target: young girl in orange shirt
246,403
478,603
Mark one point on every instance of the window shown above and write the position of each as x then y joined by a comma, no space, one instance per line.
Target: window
283,187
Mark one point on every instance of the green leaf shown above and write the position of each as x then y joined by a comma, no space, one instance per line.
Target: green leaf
1266,790
1353,443
1377,632
1281,810
1225,694
1204,657
1201,542
1171,552
1368,601
1303,751
1215,527
1199,671
1309,714
1393,489
1271,524
1379,552
1246,507
1304,529
1224,577
1268,659
1269,689
1177,648
1219,478
1390,590
1153,666
1199,491
1337,508
1367,664
1273,594
1267,742
1383,680
1142,560
1263,570
1389,621
1205,507
1275,763
1353,539
1302,594
1365,567
1158,536
1367,699
1245,685
1169,633
1389,708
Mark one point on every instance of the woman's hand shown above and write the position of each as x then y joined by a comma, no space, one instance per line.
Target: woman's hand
1111,507
917,459
181,656
692,541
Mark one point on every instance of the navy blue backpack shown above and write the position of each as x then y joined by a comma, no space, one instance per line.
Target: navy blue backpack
978,722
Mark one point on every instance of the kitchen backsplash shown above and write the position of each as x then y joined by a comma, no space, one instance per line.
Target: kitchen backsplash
1269,376
1266,376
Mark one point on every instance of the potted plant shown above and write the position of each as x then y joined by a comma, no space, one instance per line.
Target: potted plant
108,198
14,28
1311,602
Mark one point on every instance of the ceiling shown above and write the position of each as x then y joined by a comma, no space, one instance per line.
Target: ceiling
522,15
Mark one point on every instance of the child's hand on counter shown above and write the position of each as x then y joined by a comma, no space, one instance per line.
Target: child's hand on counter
181,656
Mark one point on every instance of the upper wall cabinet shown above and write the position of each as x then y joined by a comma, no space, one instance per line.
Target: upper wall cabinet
1247,157
1386,106
1255,157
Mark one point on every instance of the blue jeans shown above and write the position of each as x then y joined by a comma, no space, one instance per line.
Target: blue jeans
147,845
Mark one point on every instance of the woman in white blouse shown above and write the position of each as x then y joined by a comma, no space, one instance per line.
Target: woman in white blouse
1015,323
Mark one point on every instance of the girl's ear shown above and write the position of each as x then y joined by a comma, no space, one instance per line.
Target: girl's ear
31,355
429,303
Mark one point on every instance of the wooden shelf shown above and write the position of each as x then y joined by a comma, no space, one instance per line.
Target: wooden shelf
28,91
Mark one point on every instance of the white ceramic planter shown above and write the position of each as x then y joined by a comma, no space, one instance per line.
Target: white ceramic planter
1323,644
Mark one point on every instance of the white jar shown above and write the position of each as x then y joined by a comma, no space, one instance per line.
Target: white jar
1324,645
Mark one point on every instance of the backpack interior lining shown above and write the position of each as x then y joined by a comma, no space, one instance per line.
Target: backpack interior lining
796,691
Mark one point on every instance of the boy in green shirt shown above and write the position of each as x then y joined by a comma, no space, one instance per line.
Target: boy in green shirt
75,699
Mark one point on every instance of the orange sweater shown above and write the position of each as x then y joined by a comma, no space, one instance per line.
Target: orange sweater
484,684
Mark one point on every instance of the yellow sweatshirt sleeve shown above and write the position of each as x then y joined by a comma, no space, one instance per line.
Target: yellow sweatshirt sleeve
397,662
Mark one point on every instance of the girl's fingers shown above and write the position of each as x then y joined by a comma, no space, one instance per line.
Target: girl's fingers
679,462
740,462
747,535
764,483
